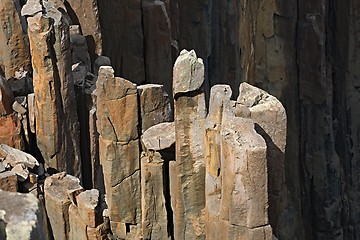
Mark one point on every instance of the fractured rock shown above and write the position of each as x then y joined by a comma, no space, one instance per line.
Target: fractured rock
88,203
10,131
21,171
15,156
58,192
117,124
189,117
57,127
85,13
154,214
154,105
14,45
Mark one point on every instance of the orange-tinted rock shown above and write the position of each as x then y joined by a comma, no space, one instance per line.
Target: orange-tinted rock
10,131
14,45
57,127
8,181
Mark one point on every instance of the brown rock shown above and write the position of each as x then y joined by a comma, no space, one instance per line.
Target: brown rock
85,14
6,97
154,105
117,124
123,39
189,117
157,37
57,129
57,202
10,131
14,45
154,214
8,181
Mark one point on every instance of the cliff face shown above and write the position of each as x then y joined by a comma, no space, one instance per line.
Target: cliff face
305,53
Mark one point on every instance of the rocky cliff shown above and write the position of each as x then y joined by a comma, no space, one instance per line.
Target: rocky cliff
252,132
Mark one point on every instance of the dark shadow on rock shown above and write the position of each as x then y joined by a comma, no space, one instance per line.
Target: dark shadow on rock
276,182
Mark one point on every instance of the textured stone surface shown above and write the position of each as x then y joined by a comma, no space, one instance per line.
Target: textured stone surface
21,215
189,117
123,37
8,181
57,127
14,44
159,137
154,214
88,203
157,38
85,13
58,191
6,97
14,156
154,105
10,131
117,123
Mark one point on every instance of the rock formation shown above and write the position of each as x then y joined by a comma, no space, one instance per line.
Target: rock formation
254,137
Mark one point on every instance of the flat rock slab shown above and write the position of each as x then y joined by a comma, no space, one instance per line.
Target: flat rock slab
15,156
21,217
159,137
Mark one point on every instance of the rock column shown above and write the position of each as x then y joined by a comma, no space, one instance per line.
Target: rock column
117,111
189,116
57,127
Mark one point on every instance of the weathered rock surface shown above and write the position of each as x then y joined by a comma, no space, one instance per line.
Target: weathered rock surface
57,127
14,156
59,190
14,44
10,131
157,38
6,97
117,111
154,214
159,137
123,37
85,14
154,106
8,181
20,217
189,117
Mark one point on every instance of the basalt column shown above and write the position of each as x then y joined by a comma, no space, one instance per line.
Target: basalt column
117,123
57,127
189,115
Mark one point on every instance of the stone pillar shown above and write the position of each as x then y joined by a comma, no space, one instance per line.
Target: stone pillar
57,127
154,106
270,122
14,44
154,215
117,124
220,96
189,117
157,36
85,14
59,192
